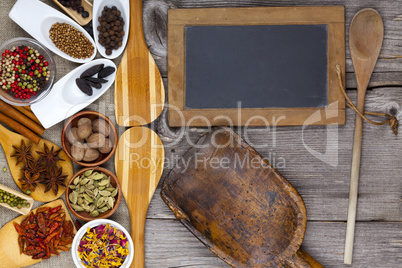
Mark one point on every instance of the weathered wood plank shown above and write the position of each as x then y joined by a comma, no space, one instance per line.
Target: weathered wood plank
170,244
324,186
155,21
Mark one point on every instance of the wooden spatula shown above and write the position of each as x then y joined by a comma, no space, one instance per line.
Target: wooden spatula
139,163
139,93
9,138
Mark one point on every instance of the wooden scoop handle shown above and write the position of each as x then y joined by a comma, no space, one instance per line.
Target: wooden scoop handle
138,234
303,260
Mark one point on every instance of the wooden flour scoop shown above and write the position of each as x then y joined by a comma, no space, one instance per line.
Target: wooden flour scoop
139,161
240,207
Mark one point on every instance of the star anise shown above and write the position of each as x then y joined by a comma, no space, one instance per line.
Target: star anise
34,167
49,157
29,181
23,153
53,179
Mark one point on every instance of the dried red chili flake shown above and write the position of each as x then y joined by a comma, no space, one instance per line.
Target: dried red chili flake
44,233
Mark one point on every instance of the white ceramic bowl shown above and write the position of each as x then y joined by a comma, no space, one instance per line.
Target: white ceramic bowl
124,7
23,41
45,17
81,232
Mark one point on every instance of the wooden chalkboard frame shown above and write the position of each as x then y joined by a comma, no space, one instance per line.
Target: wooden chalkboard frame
178,19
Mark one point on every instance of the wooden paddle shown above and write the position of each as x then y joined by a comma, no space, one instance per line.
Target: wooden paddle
139,161
365,39
9,248
9,138
139,93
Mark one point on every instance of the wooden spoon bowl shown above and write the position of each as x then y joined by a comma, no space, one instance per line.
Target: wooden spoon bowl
139,92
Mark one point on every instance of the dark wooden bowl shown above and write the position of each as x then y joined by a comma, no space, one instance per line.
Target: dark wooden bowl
85,215
73,121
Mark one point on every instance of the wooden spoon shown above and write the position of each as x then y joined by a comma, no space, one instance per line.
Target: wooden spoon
9,248
365,40
77,16
139,163
139,92
9,138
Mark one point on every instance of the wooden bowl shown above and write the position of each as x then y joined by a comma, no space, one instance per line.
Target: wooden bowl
92,115
85,215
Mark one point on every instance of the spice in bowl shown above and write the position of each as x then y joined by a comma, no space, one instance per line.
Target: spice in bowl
23,71
75,5
111,29
93,193
95,133
71,41
103,246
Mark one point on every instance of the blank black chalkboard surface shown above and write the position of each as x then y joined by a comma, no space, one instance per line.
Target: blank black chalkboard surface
255,66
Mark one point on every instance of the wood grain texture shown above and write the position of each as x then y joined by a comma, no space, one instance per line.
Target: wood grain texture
230,208
378,244
323,187
139,92
10,256
391,53
8,139
180,18
87,5
139,162
366,34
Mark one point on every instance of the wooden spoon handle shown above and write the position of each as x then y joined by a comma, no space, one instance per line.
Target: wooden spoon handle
354,180
136,24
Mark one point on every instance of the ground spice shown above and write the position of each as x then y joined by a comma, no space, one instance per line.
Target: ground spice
71,41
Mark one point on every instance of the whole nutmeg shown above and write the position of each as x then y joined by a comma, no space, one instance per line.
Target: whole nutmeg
101,126
77,152
96,140
83,120
84,131
72,136
107,147
90,155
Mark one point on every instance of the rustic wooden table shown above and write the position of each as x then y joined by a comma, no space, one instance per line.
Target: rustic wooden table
316,160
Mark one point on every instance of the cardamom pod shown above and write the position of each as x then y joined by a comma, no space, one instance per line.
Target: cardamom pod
94,213
88,172
105,193
77,208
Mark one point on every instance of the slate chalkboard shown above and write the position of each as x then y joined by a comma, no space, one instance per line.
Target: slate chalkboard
278,64
256,66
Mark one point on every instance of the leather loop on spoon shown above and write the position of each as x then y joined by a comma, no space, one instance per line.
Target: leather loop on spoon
392,121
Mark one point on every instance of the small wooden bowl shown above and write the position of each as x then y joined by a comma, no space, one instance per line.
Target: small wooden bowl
92,115
85,215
